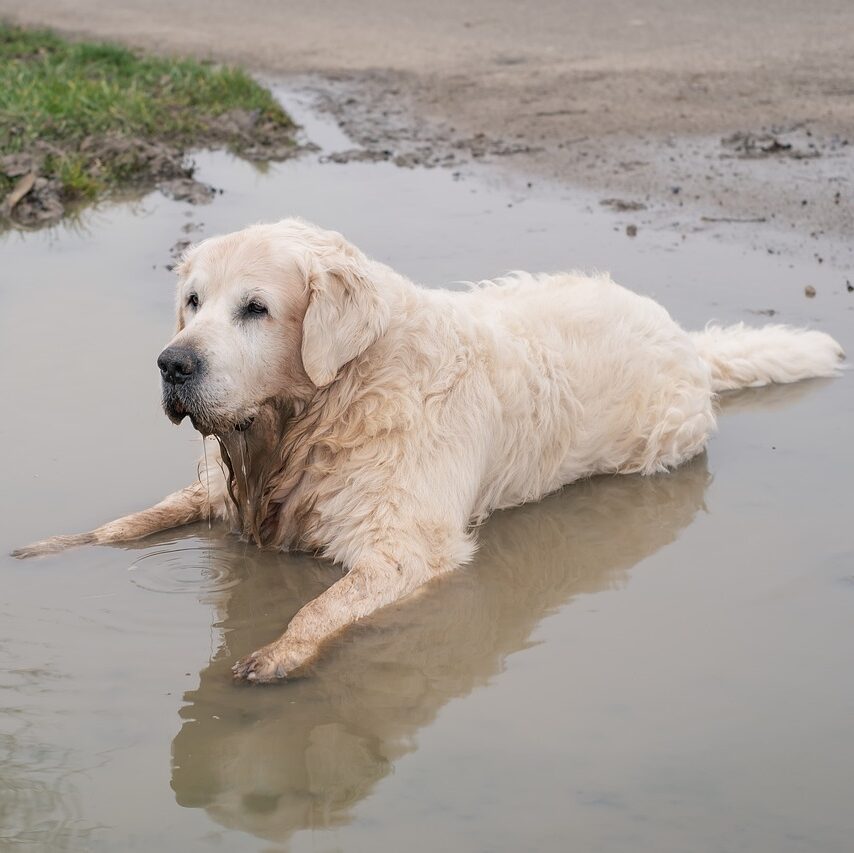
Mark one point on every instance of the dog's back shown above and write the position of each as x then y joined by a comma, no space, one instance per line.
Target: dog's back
597,379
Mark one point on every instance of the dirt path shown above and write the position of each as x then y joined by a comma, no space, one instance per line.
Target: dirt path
632,97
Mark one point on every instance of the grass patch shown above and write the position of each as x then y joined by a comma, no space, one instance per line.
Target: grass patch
88,117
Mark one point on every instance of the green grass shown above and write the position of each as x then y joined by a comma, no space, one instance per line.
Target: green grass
57,94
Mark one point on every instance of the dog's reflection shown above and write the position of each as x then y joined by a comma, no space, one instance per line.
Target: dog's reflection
271,761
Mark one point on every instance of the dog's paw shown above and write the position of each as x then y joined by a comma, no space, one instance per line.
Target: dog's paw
53,545
277,662
261,667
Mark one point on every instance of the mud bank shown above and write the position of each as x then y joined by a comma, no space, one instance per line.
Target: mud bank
84,120
633,98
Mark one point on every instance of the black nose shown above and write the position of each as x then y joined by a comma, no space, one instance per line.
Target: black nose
177,364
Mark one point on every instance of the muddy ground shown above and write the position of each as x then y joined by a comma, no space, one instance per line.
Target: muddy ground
38,198
739,111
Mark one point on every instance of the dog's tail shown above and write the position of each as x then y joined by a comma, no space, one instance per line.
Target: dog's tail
742,357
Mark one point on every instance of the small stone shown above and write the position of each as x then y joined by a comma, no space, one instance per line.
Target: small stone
809,291
631,231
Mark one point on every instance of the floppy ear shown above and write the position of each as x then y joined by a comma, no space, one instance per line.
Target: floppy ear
345,315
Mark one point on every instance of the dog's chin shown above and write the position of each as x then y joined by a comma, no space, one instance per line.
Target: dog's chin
177,409
221,428
205,426
174,411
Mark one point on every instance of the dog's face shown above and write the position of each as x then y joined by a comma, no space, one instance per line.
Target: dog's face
268,313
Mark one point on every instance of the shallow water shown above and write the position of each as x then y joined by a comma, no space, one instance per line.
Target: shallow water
631,665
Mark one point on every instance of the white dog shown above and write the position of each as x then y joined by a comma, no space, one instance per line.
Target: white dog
375,422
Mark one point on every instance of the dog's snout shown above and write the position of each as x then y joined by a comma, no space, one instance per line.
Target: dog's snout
177,365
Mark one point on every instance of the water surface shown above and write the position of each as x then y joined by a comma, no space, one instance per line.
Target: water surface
659,664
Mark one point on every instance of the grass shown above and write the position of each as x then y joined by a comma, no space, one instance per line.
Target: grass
59,98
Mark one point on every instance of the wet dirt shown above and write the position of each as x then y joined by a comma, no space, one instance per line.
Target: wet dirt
793,174
627,98
633,664
38,200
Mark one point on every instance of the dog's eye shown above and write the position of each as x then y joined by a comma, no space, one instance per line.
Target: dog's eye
255,307
193,300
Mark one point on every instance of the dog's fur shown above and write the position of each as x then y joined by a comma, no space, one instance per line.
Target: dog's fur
375,422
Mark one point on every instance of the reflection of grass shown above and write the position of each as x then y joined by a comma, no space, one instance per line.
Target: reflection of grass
59,99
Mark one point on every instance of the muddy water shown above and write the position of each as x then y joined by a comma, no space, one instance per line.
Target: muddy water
634,664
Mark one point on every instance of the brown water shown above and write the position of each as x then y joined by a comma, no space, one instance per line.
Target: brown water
634,664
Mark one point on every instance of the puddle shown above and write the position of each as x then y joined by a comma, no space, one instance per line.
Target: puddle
631,665
195,569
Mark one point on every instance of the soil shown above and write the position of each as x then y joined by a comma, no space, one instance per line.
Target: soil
737,111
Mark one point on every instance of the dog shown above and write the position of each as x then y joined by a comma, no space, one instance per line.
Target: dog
375,422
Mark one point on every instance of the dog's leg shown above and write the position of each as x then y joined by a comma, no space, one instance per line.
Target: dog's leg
373,583
182,507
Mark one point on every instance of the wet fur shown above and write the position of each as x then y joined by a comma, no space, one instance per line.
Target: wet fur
389,419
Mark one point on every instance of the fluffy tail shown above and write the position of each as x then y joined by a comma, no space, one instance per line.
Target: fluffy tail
741,357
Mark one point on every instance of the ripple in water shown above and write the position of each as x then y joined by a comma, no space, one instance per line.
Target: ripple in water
188,568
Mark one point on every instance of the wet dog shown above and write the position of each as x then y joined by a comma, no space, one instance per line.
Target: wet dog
362,417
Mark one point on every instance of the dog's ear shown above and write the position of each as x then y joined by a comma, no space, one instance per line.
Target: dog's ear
345,315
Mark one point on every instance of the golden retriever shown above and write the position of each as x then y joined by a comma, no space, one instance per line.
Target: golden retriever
373,421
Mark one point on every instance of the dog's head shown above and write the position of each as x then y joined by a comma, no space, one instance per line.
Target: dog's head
268,313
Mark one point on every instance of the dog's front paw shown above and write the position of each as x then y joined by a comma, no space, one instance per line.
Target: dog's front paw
53,545
276,662
261,667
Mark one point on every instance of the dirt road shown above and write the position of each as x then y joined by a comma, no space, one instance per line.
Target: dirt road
633,97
